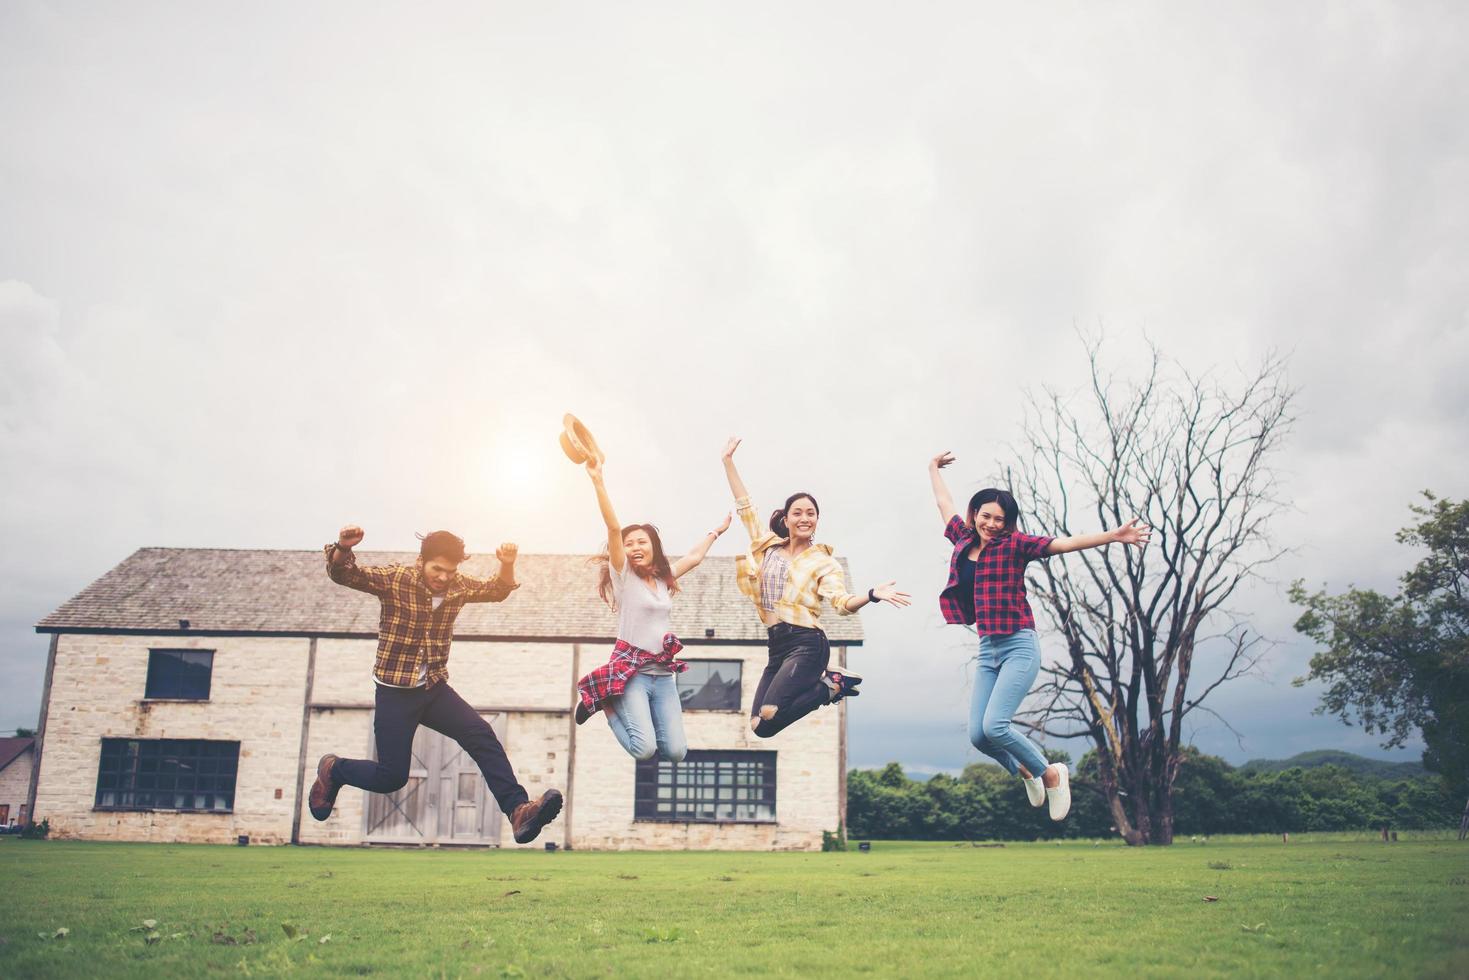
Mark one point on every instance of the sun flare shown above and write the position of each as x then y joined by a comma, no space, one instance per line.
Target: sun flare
514,468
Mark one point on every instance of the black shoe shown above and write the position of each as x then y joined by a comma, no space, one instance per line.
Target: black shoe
530,817
844,683
582,712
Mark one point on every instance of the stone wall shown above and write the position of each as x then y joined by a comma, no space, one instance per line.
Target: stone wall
97,691
257,698
15,783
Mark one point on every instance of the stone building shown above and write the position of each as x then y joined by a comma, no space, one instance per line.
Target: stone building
16,758
189,693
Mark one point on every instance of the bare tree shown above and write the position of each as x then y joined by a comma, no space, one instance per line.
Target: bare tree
1192,456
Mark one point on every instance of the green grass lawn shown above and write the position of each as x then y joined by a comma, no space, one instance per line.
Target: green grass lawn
1314,907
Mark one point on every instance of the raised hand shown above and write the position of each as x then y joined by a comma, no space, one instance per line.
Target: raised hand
594,469
732,472
887,593
724,526
1133,533
350,536
506,553
941,460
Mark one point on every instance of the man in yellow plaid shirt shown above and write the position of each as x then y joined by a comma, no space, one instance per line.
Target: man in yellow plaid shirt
419,605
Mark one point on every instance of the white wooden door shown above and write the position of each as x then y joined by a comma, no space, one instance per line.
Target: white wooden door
467,813
445,800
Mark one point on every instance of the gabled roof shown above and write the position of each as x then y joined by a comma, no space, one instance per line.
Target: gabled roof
13,748
287,592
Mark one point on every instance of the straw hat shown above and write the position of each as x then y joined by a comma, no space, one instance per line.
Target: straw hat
577,442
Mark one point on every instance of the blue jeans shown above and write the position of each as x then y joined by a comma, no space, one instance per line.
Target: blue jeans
648,718
1008,665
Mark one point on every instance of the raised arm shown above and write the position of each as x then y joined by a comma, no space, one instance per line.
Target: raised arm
743,505
615,552
495,589
736,485
698,552
342,567
941,496
1130,533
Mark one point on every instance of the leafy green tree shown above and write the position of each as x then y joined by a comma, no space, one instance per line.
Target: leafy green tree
1399,664
1202,794
883,804
985,803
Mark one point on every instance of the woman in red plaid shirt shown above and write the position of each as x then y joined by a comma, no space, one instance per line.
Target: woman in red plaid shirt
986,590
635,687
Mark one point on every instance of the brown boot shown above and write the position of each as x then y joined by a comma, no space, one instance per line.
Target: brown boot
324,791
531,816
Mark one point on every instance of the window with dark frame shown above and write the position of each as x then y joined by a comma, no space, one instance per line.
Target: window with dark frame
707,787
192,774
179,675
710,685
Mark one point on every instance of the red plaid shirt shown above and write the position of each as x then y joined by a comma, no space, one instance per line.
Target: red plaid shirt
411,630
610,680
998,604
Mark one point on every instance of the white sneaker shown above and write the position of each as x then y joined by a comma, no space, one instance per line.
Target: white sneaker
1059,796
1035,790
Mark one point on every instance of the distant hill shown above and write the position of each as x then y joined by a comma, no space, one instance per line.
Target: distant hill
920,777
1360,764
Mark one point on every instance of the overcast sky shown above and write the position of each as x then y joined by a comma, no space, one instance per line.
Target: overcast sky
267,269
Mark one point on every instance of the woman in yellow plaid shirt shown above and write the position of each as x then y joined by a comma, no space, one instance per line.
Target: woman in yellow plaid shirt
788,576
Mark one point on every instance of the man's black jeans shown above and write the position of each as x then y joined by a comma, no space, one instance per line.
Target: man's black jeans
400,710
792,678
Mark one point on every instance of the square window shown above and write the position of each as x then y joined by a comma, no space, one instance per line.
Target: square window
179,674
710,685
705,788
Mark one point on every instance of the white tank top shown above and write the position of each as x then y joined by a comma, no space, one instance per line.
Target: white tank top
643,614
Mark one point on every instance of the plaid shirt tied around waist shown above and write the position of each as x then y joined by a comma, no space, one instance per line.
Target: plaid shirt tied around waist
814,576
610,680
999,604
410,630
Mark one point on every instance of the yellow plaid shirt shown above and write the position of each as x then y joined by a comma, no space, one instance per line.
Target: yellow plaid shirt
815,575
411,631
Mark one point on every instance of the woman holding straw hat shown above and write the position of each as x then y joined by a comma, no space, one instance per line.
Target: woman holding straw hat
635,688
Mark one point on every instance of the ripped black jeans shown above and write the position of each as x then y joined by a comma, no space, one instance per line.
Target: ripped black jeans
792,678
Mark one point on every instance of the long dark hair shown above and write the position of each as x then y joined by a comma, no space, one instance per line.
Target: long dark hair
661,567
992,495
778,519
